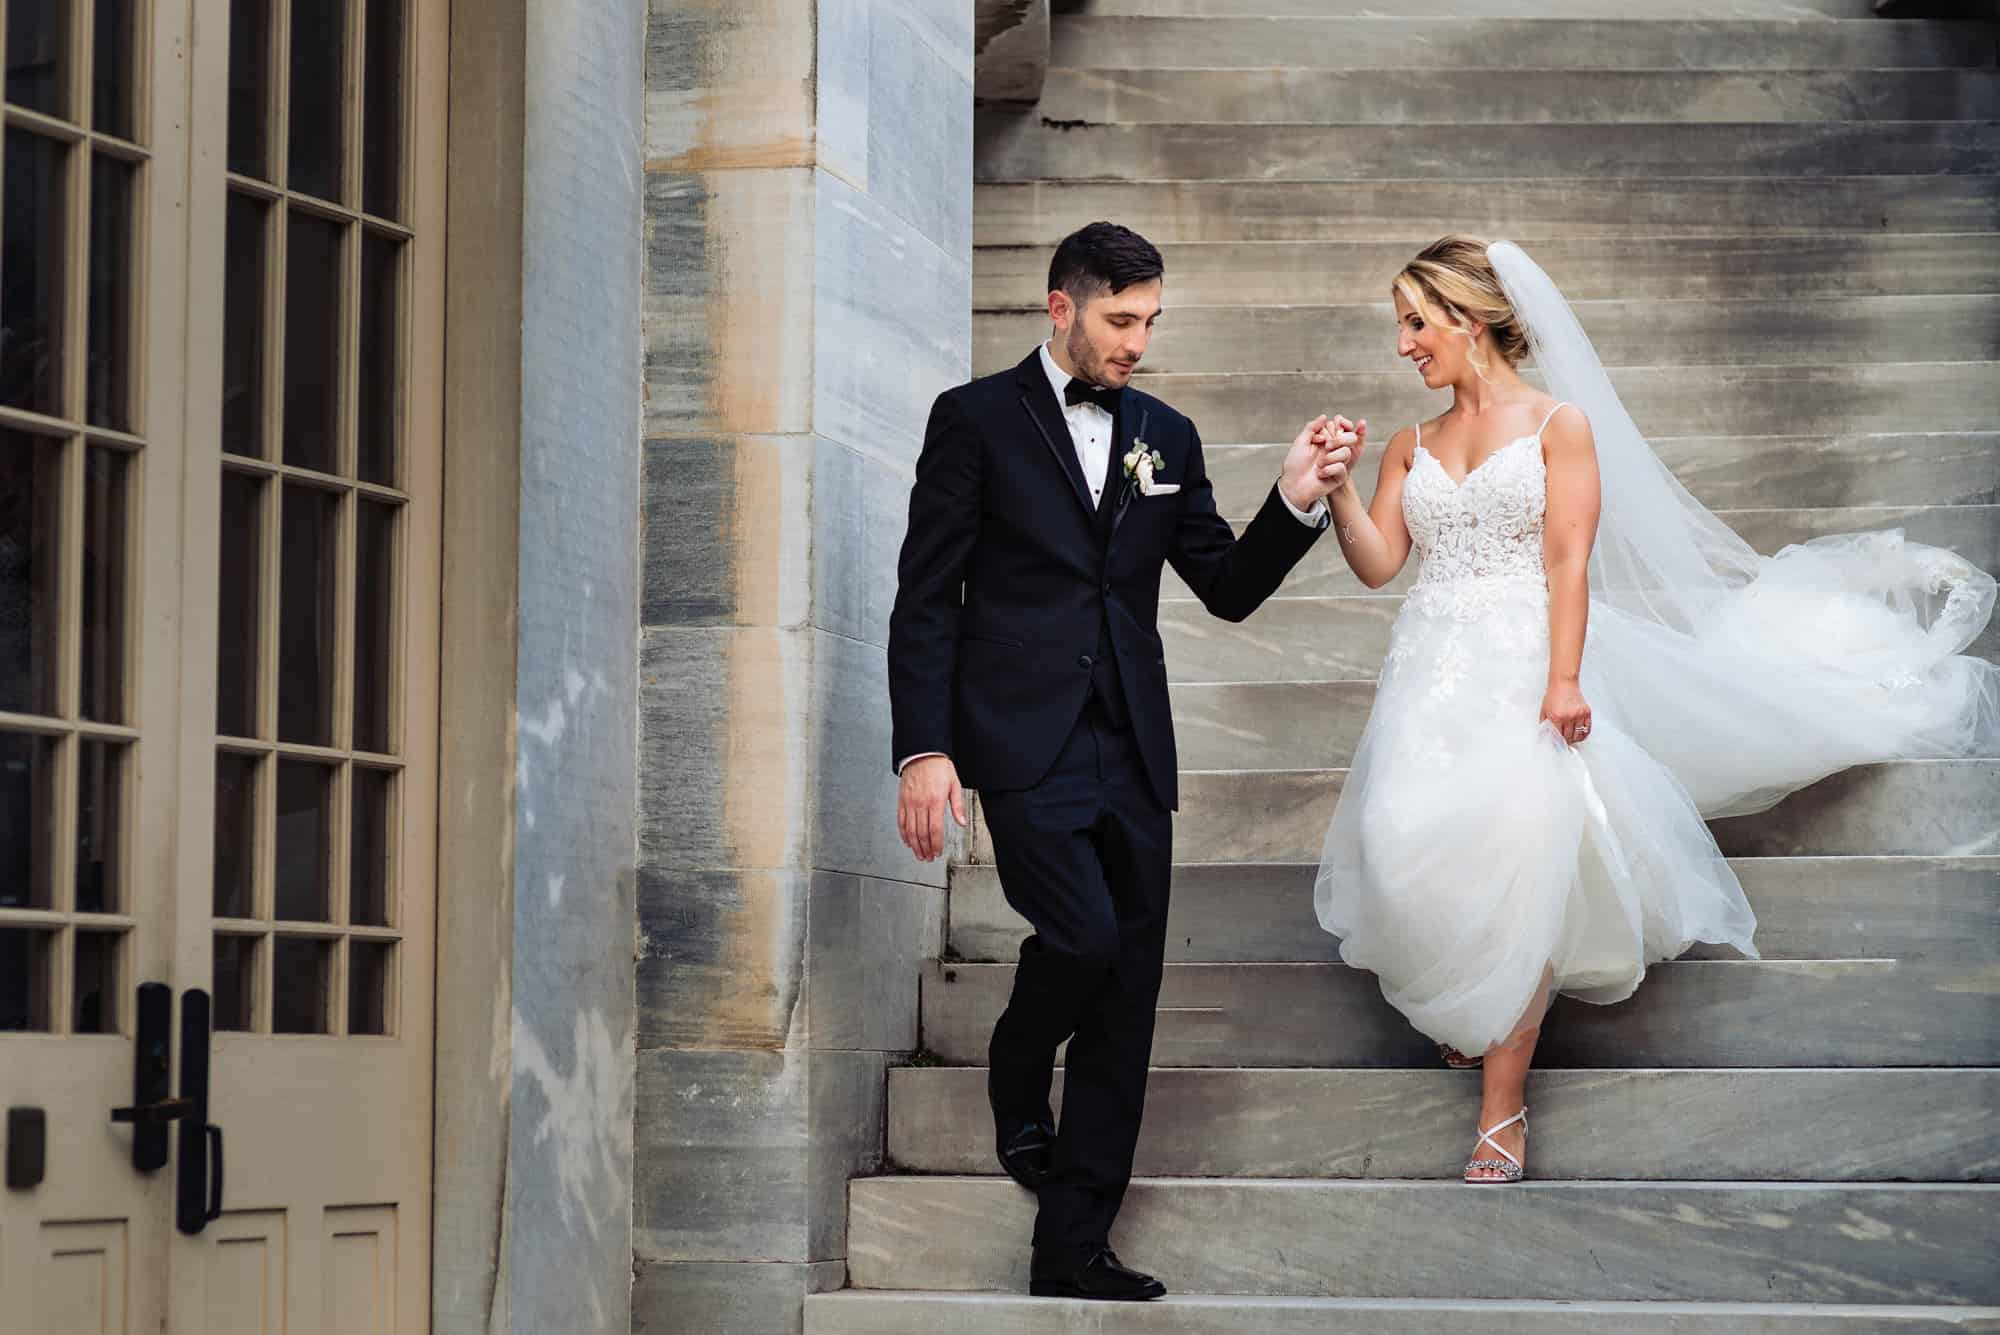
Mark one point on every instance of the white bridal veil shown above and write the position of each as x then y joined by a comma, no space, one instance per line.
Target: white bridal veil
1750,676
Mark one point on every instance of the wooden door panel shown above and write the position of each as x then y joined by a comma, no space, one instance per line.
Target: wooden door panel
82,1278
245,1273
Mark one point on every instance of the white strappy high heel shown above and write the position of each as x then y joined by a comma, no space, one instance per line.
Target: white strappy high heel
1506,1165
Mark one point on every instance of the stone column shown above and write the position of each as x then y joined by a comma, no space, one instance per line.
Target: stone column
808,169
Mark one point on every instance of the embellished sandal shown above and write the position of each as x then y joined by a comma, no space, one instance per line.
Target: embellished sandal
1506,1165
1457,1060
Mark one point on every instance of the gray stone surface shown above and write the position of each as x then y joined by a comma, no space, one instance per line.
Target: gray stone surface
1652,1241
1297,95
1728,400
1506,9
1936,808
1289,339
745,1155
865,1313
1286,725
1687,1013
1012,147
1807,908
1417,211
868,941
1011,43
1450,42
674,1297
1601,268
1750,1126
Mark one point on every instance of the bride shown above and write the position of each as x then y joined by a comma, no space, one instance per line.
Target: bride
1588,664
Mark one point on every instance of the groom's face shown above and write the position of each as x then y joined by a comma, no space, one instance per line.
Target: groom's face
1106,335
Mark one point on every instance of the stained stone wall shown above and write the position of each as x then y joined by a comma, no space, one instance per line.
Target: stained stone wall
808,216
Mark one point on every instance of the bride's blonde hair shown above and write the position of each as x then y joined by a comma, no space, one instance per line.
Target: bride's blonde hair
1451,283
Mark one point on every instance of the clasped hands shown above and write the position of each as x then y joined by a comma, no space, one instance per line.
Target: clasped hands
1317,464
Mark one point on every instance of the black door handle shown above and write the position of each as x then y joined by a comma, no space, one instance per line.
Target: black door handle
198,1181
151,1109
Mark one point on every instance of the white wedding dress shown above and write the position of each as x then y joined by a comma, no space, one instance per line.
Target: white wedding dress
1477,864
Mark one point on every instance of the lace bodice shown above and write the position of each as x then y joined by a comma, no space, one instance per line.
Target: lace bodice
1483,530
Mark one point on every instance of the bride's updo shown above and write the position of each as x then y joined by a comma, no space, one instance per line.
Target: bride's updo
1452,283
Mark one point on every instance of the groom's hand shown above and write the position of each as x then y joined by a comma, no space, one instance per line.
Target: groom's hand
929,786
1316,466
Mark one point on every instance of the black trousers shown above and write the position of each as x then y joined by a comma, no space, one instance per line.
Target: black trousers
1085,857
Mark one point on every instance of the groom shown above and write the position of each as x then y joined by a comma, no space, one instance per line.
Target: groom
1025,661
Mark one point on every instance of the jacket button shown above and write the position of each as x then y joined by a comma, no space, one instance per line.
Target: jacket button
1107,588
1083,661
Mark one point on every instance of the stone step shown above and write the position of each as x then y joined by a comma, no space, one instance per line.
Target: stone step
1738,268
1903,808
1306,639
1664,400
1757,1125
1654,1241
1015,146
1419,210
1971,531
1827,331
1688,1013
860,1312
1433,97
1738,476
1907,908
1514,45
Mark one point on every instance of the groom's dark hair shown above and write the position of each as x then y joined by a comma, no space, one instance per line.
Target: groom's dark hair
1102,255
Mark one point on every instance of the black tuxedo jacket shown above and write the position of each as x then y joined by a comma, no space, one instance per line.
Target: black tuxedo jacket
1008,572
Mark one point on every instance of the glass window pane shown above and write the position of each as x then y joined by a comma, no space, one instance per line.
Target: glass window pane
312,344
106,526
96,983
382,111
319,49
370,849
304,841
240,595
306,615
26,955
109,373
30,501
369,979
381,389
100,821
250,88
245,254
235,992
31,272
112,49
27,821
235,835
374,625
38,55
301,972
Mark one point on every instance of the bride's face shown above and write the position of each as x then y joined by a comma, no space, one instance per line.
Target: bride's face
1439,354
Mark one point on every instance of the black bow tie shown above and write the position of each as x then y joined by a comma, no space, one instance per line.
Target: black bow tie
1079,391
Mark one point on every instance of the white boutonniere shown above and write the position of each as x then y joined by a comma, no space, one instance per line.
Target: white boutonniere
1140,464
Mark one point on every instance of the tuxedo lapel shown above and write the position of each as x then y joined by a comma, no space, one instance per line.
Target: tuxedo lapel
1122,437
1038,401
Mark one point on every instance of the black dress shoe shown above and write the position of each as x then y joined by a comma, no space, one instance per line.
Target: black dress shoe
1097,1274
1026,1149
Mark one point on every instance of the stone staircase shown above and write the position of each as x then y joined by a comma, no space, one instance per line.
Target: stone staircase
1781,223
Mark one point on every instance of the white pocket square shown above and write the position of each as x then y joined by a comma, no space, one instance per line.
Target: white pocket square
1159,488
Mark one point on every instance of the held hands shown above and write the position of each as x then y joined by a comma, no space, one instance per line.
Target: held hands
1565,708
1321,456
929,785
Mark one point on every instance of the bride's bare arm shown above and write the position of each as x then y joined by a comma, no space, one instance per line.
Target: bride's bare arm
1569,532
1372,536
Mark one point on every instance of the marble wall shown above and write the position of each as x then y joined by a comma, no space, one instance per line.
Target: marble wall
808,235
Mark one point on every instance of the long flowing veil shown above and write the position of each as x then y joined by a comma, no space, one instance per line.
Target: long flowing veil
1750,675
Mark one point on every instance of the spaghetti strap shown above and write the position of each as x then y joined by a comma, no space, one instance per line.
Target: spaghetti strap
1420,433
1550,418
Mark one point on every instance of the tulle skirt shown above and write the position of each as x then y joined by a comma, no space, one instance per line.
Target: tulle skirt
1477,863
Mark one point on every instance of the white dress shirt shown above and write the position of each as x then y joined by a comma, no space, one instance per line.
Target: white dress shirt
1090,432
